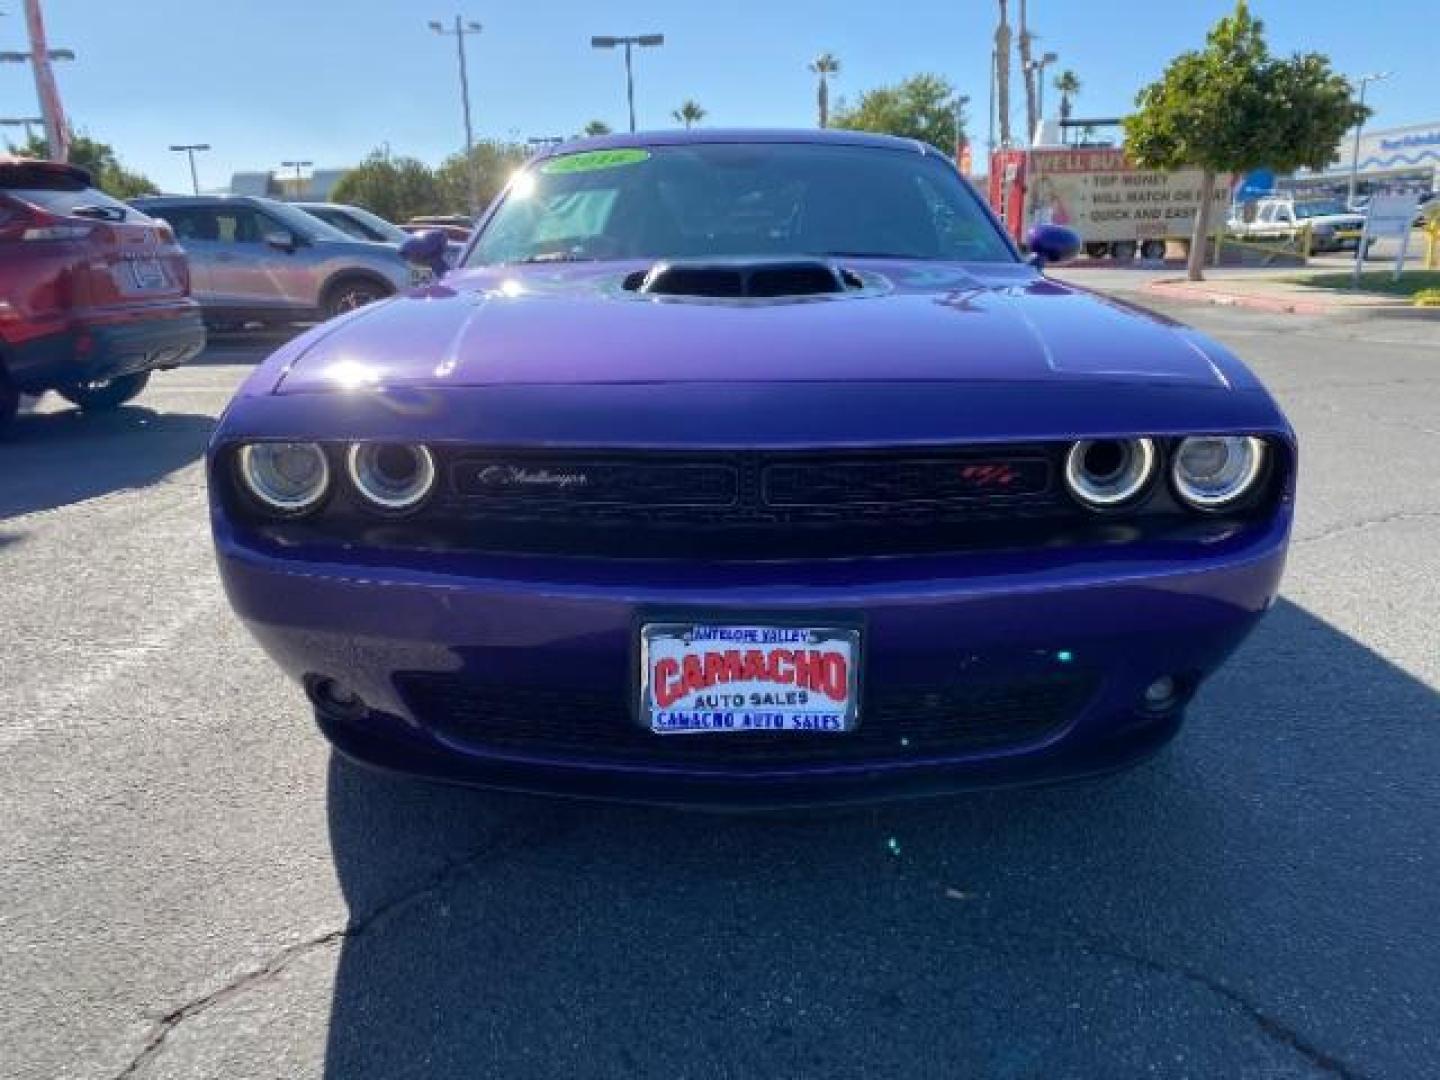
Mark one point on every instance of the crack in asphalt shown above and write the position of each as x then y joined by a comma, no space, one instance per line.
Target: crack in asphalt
1348,527
428,889
1271,1026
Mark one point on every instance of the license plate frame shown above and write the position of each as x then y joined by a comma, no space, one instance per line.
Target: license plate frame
761,698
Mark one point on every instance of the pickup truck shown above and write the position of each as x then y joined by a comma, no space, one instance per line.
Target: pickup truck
1332,227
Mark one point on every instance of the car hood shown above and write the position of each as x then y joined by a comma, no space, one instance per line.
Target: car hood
577,325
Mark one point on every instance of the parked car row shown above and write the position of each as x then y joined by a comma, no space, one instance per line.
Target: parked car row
256,260
96,294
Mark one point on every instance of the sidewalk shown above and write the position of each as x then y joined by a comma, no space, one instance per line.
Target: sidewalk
1256,288
1262,294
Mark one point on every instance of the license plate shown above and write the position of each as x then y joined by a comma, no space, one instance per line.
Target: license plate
725,678
147,274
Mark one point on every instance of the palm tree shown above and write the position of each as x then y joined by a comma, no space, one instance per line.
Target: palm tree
824,65
1002,72
1027,72
596,127
689,114
1068,83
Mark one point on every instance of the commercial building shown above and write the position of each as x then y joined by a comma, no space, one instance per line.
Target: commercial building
1389,159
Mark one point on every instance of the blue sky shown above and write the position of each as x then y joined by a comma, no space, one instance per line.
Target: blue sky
268,80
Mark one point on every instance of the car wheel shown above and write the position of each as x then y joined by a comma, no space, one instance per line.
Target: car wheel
351,294
102,395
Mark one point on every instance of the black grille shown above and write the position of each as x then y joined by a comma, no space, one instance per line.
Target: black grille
894,726
747,505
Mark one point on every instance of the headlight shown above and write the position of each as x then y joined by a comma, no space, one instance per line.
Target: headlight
395,476
288,477
1214,471
1102,473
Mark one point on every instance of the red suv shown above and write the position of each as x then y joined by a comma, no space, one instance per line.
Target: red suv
94,295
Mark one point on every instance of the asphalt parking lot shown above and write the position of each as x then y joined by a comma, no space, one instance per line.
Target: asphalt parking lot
193,887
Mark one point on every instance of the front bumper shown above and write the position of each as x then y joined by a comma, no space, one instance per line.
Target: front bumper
1121,619
91,352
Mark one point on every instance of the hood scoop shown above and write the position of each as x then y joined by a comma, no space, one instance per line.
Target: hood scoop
767,279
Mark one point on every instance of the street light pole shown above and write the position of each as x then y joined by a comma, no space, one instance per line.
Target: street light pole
645,41
1039,66
461,30
1380,76
189,149
299,180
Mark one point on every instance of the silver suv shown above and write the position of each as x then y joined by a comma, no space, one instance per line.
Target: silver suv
256,260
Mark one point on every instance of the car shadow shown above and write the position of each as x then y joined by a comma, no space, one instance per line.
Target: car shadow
1267,860
52,459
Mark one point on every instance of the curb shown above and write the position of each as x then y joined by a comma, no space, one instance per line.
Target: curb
1286,305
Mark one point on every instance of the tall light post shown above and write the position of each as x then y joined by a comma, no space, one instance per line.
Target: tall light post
29,123
990,121
645,41
190,148
961,100
462,29
299,180
1379,76
1038,67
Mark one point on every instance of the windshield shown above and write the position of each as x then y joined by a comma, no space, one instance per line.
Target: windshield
359,223
726,199
1320,208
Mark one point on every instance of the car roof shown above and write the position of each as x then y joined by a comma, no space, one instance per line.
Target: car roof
59,168
704,136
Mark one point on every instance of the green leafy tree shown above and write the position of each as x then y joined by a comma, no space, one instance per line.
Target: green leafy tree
493,163
824,66
596,128
1067,83
396,188
99,160
689,114
1233,107
922,107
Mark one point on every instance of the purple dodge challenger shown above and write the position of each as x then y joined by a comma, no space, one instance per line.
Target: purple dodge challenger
750,468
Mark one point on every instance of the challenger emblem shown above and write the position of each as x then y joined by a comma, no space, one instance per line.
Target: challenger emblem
514,476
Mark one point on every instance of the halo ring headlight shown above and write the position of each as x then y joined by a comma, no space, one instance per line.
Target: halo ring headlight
1106,473
287,477
392,476
1212,472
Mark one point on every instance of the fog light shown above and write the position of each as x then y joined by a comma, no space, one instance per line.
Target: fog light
1161,694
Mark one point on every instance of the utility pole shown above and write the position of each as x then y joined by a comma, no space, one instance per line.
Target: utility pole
460,31
1380,76
190,148
645,41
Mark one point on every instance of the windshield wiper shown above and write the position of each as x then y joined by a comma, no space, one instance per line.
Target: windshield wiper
104,213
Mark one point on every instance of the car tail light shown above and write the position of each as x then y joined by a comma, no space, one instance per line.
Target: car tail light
1213,472
392,476
1106,473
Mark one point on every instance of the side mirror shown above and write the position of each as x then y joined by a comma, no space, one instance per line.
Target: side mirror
1052,244
427,249
281,240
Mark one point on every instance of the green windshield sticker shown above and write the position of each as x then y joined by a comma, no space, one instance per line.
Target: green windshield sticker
593,160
